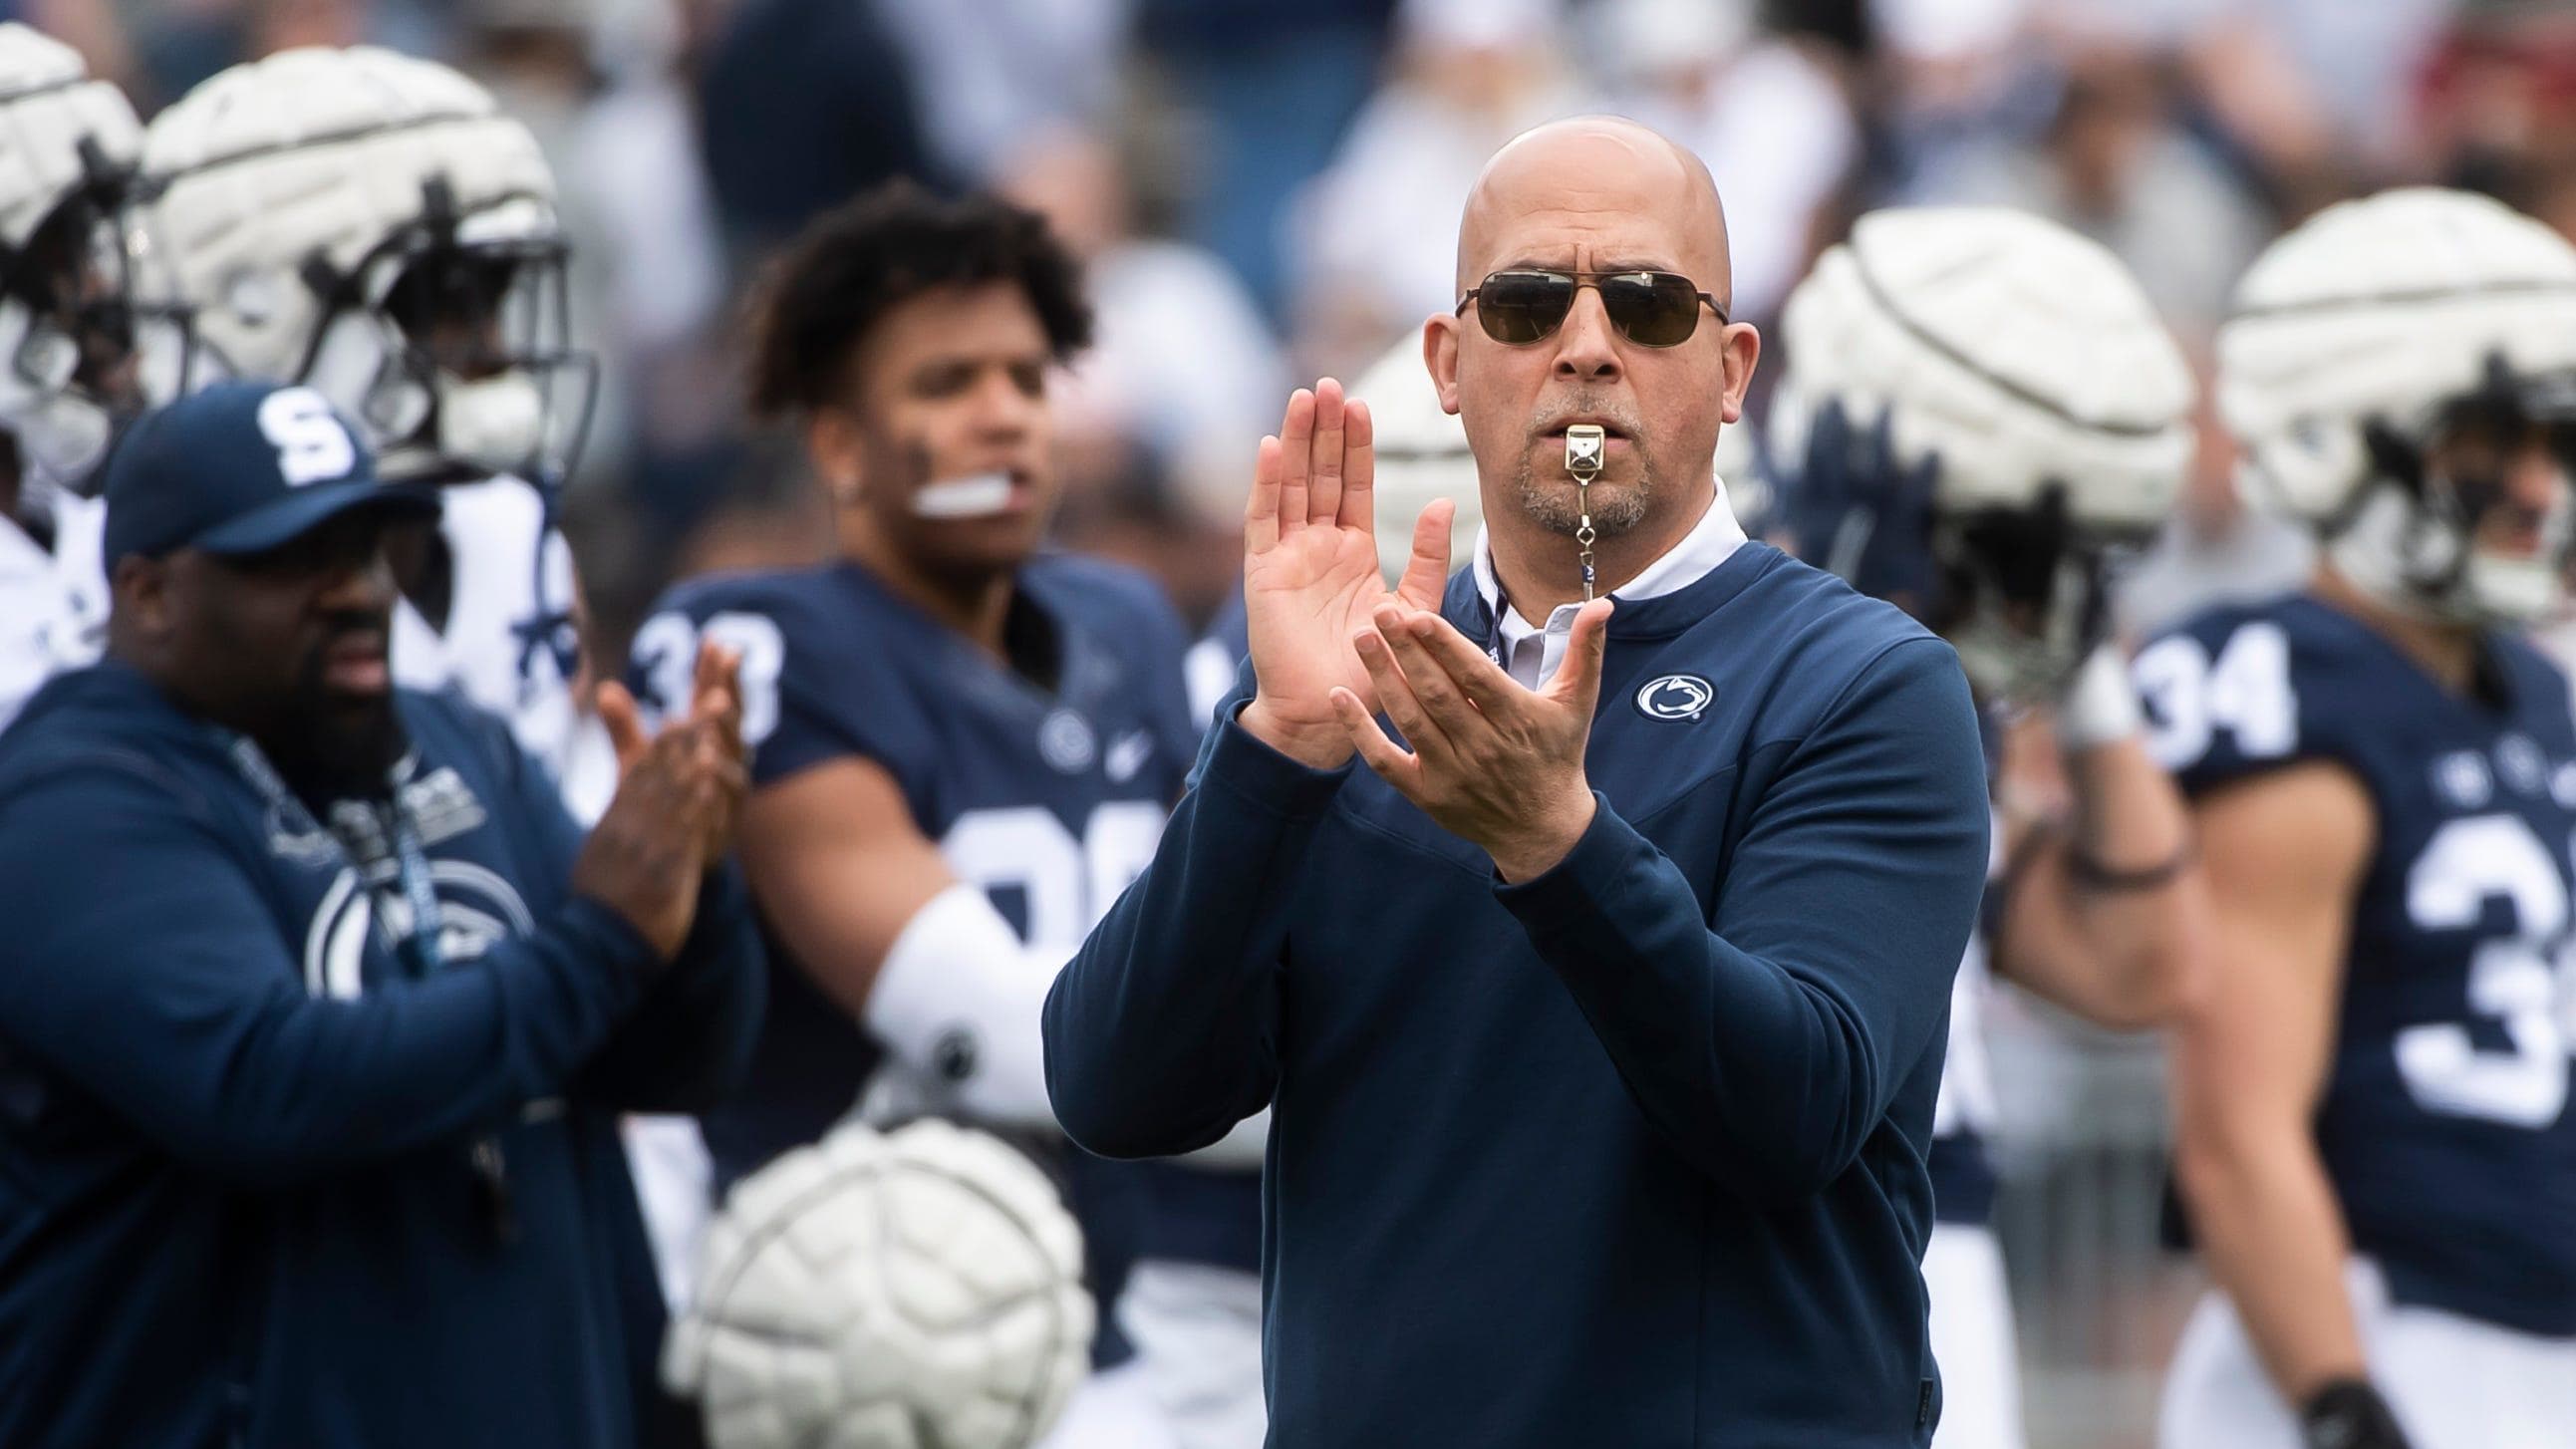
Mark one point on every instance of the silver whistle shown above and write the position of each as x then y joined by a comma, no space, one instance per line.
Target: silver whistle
1584,447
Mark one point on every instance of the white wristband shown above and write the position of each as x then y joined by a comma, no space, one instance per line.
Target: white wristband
2100,705
957,1001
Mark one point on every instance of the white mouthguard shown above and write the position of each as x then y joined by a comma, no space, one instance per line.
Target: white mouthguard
973,497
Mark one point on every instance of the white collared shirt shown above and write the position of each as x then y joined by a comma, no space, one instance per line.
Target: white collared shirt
1530,654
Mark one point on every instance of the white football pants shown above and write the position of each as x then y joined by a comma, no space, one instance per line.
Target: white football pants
2454,1382
1972,1340
673,1184
1197,1331
1112,1409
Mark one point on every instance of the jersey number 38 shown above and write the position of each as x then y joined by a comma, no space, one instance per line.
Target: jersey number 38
667,647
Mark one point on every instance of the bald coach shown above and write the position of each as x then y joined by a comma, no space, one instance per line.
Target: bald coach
1587,919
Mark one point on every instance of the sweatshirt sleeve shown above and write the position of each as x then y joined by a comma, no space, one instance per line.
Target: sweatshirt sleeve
1769,1047
1162,1033
146,968
689,1039
688,1044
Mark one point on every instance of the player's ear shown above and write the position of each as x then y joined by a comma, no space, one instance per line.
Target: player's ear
832,442
1440,356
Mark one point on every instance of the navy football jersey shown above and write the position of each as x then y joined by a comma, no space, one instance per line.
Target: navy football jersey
1051,801
2444,1124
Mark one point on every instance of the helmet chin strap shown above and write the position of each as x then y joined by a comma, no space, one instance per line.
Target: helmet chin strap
1585,444
61,433
493,422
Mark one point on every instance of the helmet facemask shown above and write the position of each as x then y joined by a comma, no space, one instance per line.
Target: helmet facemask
452,344
2024,596
2021,593
80,346
2414,531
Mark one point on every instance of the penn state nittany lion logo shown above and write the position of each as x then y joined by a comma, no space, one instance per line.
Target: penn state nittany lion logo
1674,696
477,909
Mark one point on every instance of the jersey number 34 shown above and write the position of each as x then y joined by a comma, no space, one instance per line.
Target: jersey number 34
2522,979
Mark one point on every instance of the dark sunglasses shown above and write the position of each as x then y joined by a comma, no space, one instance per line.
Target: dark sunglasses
1651,309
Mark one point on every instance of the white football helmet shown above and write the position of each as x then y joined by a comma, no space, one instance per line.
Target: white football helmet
913,1289
373,225
68,145
1421,455
2355,340
1979,403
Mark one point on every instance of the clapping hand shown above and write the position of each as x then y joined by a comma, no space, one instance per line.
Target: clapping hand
1491,762
679,796
1310,572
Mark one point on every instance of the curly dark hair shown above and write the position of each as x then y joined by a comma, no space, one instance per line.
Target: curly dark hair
856,262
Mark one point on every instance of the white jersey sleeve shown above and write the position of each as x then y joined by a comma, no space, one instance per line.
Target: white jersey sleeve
509,632
53,606
419,655
1967,1098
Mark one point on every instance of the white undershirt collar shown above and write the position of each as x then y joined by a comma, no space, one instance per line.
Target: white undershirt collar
1531,654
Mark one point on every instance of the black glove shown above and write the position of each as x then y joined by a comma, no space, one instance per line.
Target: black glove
2349,1414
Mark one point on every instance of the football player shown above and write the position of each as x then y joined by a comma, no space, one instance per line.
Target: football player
1984,406
67,339
372,225
2372,1136
963,748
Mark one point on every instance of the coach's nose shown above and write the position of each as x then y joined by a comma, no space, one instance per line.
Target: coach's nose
361,579
1587,349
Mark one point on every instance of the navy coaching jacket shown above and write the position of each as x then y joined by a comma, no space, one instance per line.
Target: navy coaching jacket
239,1204
1631,1153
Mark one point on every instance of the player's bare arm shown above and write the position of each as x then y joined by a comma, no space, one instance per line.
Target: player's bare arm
2284,856
838,868
2108,915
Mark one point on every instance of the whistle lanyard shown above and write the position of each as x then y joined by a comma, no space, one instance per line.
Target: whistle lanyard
1584,536
417,949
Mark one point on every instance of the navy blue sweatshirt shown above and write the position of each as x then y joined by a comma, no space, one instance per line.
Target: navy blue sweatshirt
1628,1154
237,1202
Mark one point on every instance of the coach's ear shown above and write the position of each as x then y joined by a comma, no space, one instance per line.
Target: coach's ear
1743,347
140,602
1440,356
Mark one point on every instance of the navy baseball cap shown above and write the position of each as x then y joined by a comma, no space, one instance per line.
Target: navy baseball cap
240,469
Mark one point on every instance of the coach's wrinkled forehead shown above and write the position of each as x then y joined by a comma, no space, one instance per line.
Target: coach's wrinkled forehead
1600,193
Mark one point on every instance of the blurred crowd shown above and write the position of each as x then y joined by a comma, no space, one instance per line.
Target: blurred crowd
1265,193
